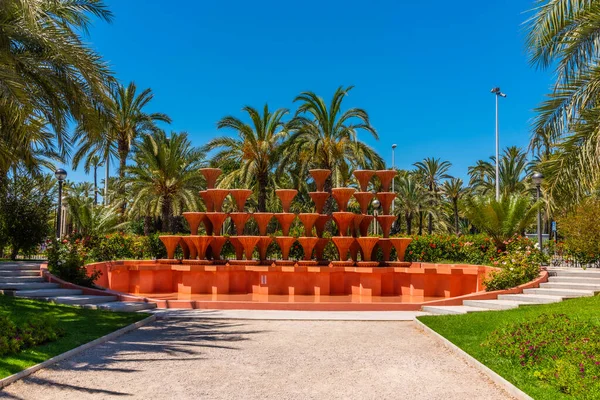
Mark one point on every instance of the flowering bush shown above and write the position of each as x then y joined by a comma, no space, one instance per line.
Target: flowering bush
66,259
562,352
516,268
34,332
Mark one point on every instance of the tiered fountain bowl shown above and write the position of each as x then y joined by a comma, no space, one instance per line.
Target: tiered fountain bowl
211,175
386,199
171,242
319,198
320,224
343,244
365,224
367,244
364,200
189,242
342,196
363,177
216,246
385,177
308,221
285,220
262,220
386,248
320,249
194,219
216,220
240,196
286,196
248,243
218,196
386,221
263,245
285,243
207,198
320,176
239,220
308,244
202,243
343,219
400,244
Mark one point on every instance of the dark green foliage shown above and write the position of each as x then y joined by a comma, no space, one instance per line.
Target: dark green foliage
66,260
33,332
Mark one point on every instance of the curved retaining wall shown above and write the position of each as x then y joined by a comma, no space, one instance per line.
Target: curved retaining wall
453,283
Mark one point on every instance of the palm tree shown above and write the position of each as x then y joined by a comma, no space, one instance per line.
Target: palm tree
328,138
514,169
453,190
432,171
500,219
94,162
164,176
93,220
255,149
410,196
46,70
564,35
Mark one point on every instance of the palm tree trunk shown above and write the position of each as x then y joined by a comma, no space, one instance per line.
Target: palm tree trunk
456,228
95,185
420,223
165,213
408,219
123,154
147,224
106,172
263,181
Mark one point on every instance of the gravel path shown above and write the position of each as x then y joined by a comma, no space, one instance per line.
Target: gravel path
226,359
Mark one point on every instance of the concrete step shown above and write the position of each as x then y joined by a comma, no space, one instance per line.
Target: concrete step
574,279
22,272
564,293
17,267
493,304
10,279
28,285
531,298
448,310
122,306
571,285
82,299
48,292
576,273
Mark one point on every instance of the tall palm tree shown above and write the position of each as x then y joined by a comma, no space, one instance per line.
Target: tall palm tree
514,169
327,137
453,190
410,196
46,70
93,163
432,171
165,175
565,35
255,150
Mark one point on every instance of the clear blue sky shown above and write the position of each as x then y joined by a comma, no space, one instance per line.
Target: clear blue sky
422,70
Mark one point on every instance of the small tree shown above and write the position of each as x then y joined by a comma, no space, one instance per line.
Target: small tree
581,232
25,209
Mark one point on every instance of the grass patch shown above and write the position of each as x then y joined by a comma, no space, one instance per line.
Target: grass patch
80,325
471,331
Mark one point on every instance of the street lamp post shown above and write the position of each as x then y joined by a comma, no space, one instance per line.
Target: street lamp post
537,180
376,204
498,93
61,175
394,168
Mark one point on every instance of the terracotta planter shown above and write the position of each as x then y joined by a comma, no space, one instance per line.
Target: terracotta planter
286,196
285,243
285,220
239,219
308,244
320,224
386,199
365,224
170,243
211,175
263,245
367,244
386,248
319,198
308,221
364,200
189,242
239,248
400,244
248,243
385,177
207,199
342,196
355,226
240,196
386,221
217,245
216,220
218,196
343,245
363,176
201,243
320,176
343,221
194,219
262,220
320,248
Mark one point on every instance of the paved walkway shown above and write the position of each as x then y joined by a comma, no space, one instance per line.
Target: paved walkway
291,315
227,359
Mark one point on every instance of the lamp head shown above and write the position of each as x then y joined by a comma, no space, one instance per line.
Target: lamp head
497,92
376,203
537,178
394,146
60,174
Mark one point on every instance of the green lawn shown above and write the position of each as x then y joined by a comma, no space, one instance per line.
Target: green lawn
81,326
469,331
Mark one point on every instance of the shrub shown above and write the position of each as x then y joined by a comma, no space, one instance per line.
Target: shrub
562,352
40,330
66,260
581,233
516,268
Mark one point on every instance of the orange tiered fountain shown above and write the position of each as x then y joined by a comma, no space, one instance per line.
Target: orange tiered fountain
240,196
363,176
211,175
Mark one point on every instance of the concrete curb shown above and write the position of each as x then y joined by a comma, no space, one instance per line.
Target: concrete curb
26,372
497,379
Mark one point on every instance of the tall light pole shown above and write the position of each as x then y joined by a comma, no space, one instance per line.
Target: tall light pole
498,93
61,175
537,179
394,168
376,204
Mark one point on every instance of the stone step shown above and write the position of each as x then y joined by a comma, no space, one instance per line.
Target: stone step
493,304
448,310
574,279
565,293
122,306
571,285
576,273
47,292
531,298
19,278
81,299
28,285
21,272
19,267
